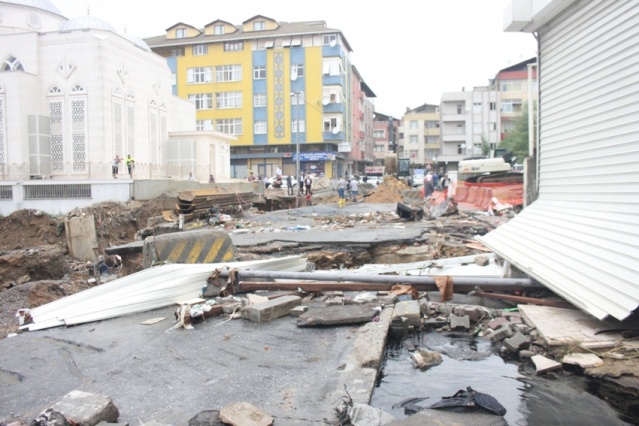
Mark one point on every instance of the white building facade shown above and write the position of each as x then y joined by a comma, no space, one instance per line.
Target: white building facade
75,93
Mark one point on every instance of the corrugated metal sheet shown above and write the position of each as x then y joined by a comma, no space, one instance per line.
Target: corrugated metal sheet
581,237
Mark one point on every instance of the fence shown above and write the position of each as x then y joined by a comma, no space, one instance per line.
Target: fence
102,170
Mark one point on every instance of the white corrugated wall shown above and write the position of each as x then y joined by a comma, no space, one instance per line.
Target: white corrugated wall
581,237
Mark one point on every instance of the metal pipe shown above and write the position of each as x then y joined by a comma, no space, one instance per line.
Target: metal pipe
311,287
385,279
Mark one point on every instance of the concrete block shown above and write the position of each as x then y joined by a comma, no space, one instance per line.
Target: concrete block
543,364
517,342
87,409
457,323
272,309
473,312
583,360
409,311
298,310
500,334
245,414
336,301
522,328
200,246
424,309
523,354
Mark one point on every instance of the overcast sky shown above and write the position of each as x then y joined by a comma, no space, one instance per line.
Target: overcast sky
409,52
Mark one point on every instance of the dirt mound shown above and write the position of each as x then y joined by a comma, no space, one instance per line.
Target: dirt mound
28,228
389,191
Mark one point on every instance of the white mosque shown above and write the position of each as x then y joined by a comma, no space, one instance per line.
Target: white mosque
74,93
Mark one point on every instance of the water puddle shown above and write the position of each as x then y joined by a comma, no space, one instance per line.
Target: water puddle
529,400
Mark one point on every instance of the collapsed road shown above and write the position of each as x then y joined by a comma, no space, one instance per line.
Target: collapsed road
294,374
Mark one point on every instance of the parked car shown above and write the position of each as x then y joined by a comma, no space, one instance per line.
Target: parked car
373,180
417,180
283,184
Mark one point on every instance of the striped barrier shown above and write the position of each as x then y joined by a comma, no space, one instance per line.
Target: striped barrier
200,246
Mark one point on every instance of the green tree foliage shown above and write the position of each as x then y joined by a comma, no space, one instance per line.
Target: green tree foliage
516,141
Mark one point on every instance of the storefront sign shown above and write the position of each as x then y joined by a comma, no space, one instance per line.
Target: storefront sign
344,147
316,156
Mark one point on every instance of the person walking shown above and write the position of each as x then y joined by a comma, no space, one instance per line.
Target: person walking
130,165
341,187
289,184
211,179
428,185
115,168
354,189
308,182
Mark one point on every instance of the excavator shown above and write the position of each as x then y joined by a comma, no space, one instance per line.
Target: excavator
498,168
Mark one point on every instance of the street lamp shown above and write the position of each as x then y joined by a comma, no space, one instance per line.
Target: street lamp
297,142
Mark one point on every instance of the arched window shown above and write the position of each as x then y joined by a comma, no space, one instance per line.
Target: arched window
78,88
55,90
11,63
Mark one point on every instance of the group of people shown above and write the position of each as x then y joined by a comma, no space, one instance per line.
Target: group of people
432,182
347,188
130,164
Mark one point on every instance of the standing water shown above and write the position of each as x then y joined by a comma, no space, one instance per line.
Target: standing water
470,362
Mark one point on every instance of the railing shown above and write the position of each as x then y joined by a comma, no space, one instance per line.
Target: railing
101,170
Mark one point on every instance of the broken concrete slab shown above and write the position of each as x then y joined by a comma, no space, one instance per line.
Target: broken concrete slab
500,334
201,246
245,414
409,311
298,310
336,315
206,418
273,309
583,360
87,409
82,240
543,364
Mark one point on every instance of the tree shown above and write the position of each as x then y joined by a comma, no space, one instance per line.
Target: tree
516,141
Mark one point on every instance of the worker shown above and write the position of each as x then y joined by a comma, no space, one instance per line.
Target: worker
130,165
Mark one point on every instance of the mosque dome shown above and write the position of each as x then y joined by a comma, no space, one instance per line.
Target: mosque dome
87,23
138,42
38,4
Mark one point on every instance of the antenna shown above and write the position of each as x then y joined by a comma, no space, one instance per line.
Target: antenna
293,73
332,43
326,100
335,130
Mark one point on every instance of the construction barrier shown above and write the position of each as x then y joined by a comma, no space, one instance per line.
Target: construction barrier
200,246
481,195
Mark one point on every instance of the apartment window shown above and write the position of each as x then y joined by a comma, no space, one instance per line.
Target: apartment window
460,148
413,124
228,73
297,71
477,128
302,126
379,148
432,139
431,124
259,100
511,105
202,100
173,79
493,106
510,86
476,107
230,126
259,127
178,51
218,29
379,134
233,46
460,128
413,138
226,100
259,73
259,26
329,39
493,126
180,33
460,108
199,75
201,125
412,154
330,124
200,49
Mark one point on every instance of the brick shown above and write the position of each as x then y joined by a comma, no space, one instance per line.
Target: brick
473,312
500,334
497,323
457,323
409,311
515,343
267,311
298,310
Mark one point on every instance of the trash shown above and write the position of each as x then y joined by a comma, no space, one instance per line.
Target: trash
153,321
470,401
24,316
424,359
298,228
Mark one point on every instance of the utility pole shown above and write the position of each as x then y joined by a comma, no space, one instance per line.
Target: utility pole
297,144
